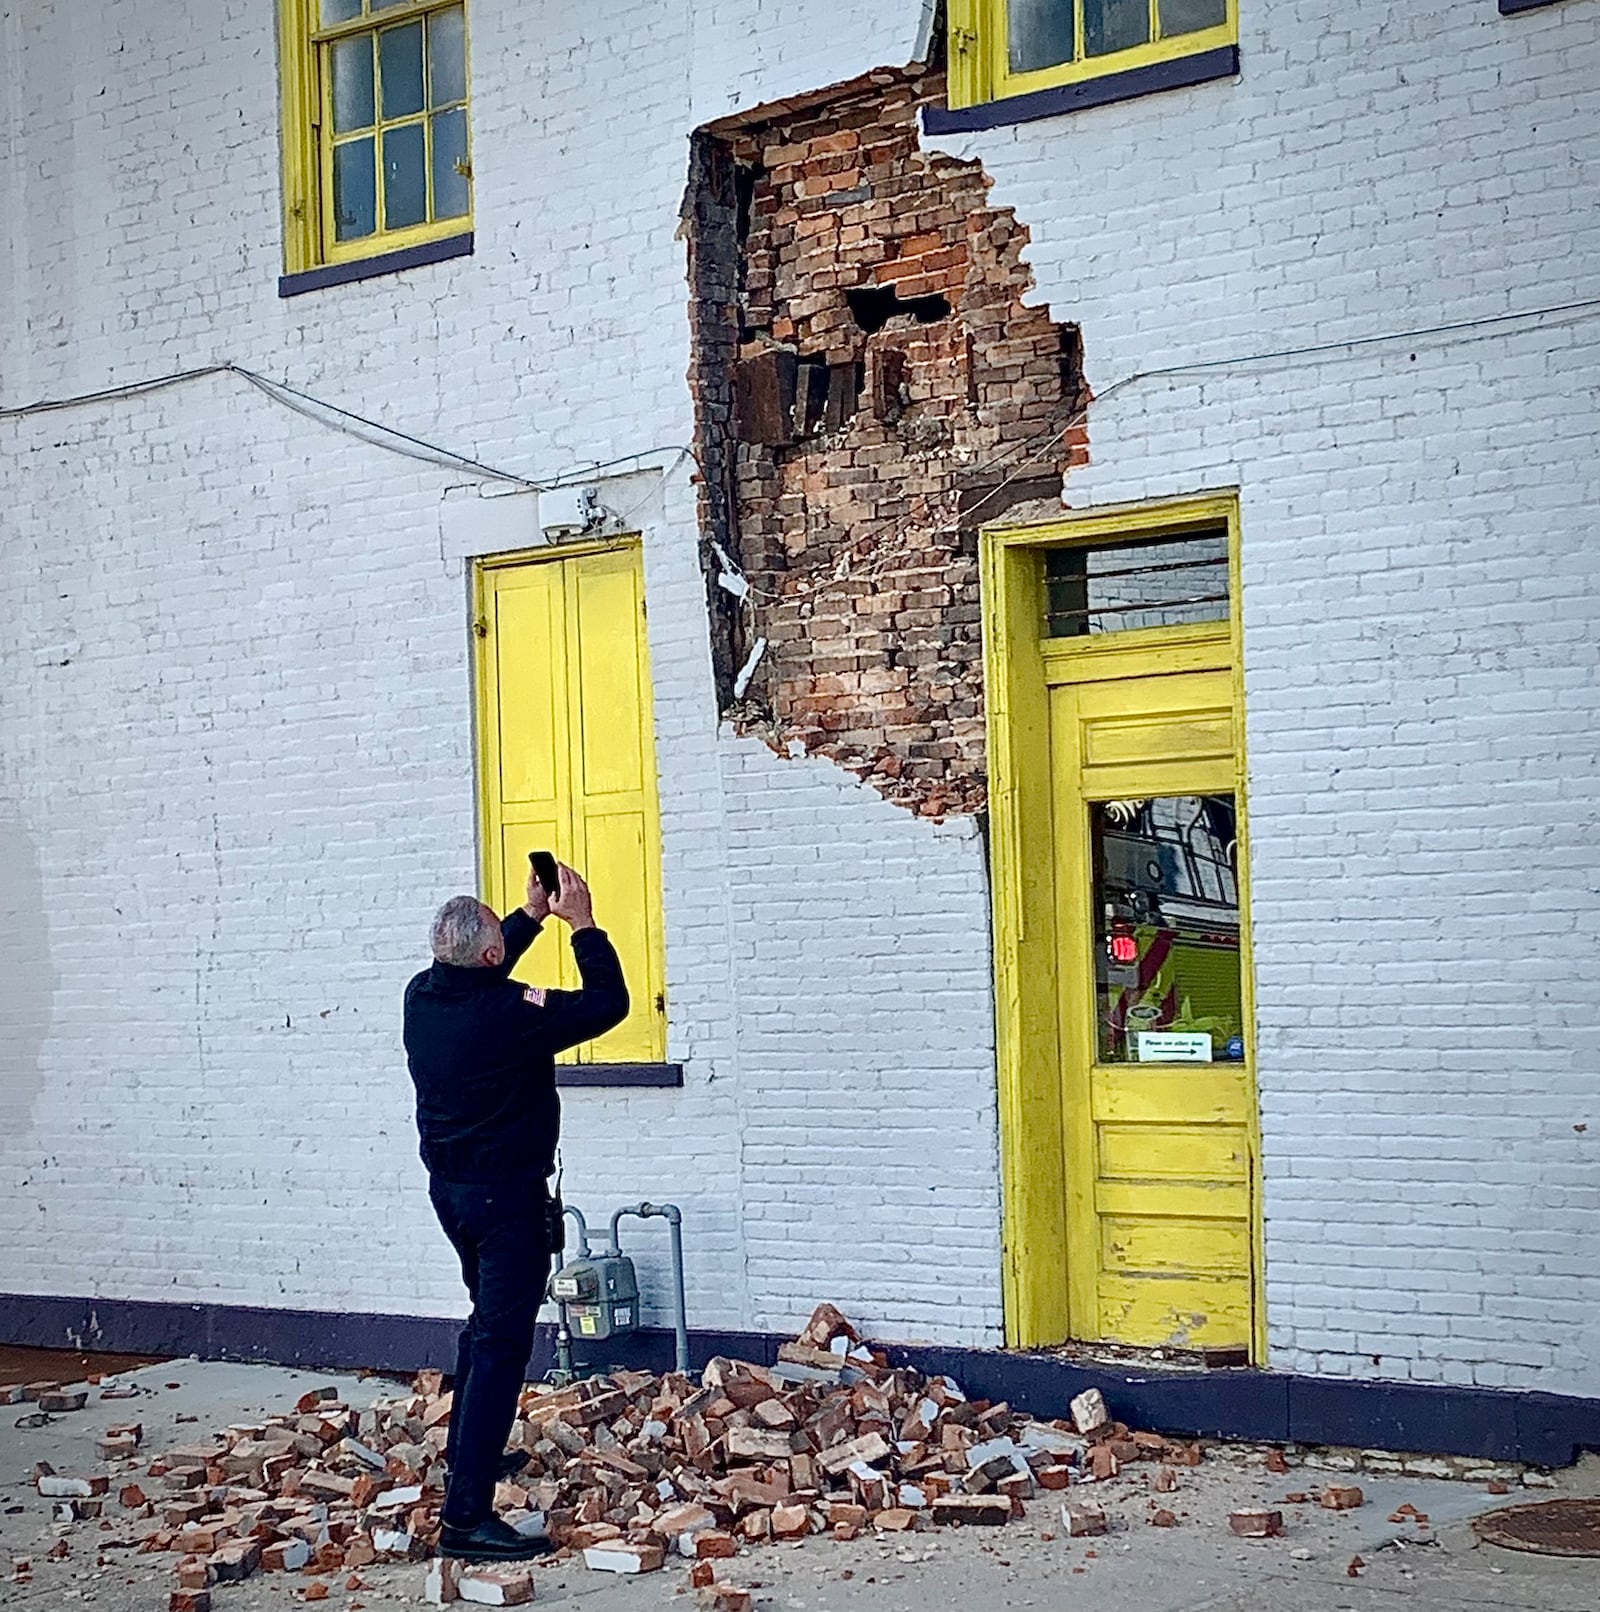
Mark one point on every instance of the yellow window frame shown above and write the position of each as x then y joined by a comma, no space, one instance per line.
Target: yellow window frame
980,52
307,124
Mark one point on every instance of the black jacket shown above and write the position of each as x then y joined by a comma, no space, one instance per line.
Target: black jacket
482,1047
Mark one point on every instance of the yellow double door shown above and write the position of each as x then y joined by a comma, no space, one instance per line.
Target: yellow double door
567,765
1152,1027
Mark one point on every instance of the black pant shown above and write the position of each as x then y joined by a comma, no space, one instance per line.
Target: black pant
500,1233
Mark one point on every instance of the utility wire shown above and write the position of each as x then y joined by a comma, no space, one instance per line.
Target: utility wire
841,571
338,418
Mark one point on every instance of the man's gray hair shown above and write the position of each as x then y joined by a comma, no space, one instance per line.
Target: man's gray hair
463,929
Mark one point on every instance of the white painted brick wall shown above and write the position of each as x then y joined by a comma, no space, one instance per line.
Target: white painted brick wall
225,820
1420,596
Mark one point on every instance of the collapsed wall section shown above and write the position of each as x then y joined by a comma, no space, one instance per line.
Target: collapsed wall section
869,388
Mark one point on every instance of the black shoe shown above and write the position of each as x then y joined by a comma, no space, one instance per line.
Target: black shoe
492,1541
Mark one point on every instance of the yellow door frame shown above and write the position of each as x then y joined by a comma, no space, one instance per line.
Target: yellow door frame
1030,962
649,994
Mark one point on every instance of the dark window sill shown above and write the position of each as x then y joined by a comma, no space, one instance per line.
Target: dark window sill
369,268
1128,86
1509,8
569,1075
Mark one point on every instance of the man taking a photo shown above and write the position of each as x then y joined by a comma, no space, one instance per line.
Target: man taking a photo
481,1050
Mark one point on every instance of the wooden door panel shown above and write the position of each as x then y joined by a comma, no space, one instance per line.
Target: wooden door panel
569,766
1158,1165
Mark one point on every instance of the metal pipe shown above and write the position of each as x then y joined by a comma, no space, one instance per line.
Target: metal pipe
680,1312
583,1230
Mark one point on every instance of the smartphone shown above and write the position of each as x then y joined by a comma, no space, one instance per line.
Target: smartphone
544,867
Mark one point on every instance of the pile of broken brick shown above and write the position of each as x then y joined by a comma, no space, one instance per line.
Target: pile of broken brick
623,1471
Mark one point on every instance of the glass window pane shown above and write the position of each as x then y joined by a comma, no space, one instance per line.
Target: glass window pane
1110,25
452,189
1166,911
405,182
447,57
339,11
384,5
355,194
400,67
352,83
1039,33
1111,587
1190,16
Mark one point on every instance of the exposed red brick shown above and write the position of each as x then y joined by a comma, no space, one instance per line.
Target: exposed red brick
870,388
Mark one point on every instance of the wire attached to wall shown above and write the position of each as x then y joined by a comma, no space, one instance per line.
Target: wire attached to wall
841,570
337,418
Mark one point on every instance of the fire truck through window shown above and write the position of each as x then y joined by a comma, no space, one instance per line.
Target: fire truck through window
1166,894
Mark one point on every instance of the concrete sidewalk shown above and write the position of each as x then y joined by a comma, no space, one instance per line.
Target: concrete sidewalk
1197,1566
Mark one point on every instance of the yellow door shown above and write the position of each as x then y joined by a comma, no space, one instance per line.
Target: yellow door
568,765
1156,1096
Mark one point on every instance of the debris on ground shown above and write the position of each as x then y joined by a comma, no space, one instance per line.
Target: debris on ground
625,1472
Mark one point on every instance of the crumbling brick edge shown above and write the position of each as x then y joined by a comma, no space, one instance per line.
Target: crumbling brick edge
1244,1402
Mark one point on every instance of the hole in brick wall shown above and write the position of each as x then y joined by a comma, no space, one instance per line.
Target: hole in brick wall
746,176
1072,387
873,306
853,441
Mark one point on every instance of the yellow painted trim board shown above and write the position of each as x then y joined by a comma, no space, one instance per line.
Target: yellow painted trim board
1019,664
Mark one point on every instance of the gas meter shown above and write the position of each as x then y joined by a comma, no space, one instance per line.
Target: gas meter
600,1294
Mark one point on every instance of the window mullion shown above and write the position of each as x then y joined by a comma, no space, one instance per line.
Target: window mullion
1080,39
427,123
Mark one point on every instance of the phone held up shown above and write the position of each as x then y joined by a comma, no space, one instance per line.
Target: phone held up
545,870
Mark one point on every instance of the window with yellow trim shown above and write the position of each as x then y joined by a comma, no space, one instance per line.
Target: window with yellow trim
377,151
1000,48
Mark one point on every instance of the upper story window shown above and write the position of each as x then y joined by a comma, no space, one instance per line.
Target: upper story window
1001,48
376,145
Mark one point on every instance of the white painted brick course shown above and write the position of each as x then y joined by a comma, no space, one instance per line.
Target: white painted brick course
235,736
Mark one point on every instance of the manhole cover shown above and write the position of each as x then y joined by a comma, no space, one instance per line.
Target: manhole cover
1551,1528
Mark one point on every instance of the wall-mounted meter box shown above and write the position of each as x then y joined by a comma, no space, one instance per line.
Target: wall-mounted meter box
600,1295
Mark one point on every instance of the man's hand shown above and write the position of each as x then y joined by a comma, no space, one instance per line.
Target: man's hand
572,903
537,906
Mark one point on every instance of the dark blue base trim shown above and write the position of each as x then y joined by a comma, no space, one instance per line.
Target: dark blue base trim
1509,8
1136,81
368,268
1494,1424
569,1075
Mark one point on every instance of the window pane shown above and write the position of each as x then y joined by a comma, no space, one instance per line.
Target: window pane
400,65
1111,587
339,11
384,5
1039,33
447,57
352,83
355,196
1110,25
1166,912
405,184
1190,16
452,190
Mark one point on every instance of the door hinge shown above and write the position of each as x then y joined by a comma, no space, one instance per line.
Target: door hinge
661,1001
480,625
962,40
